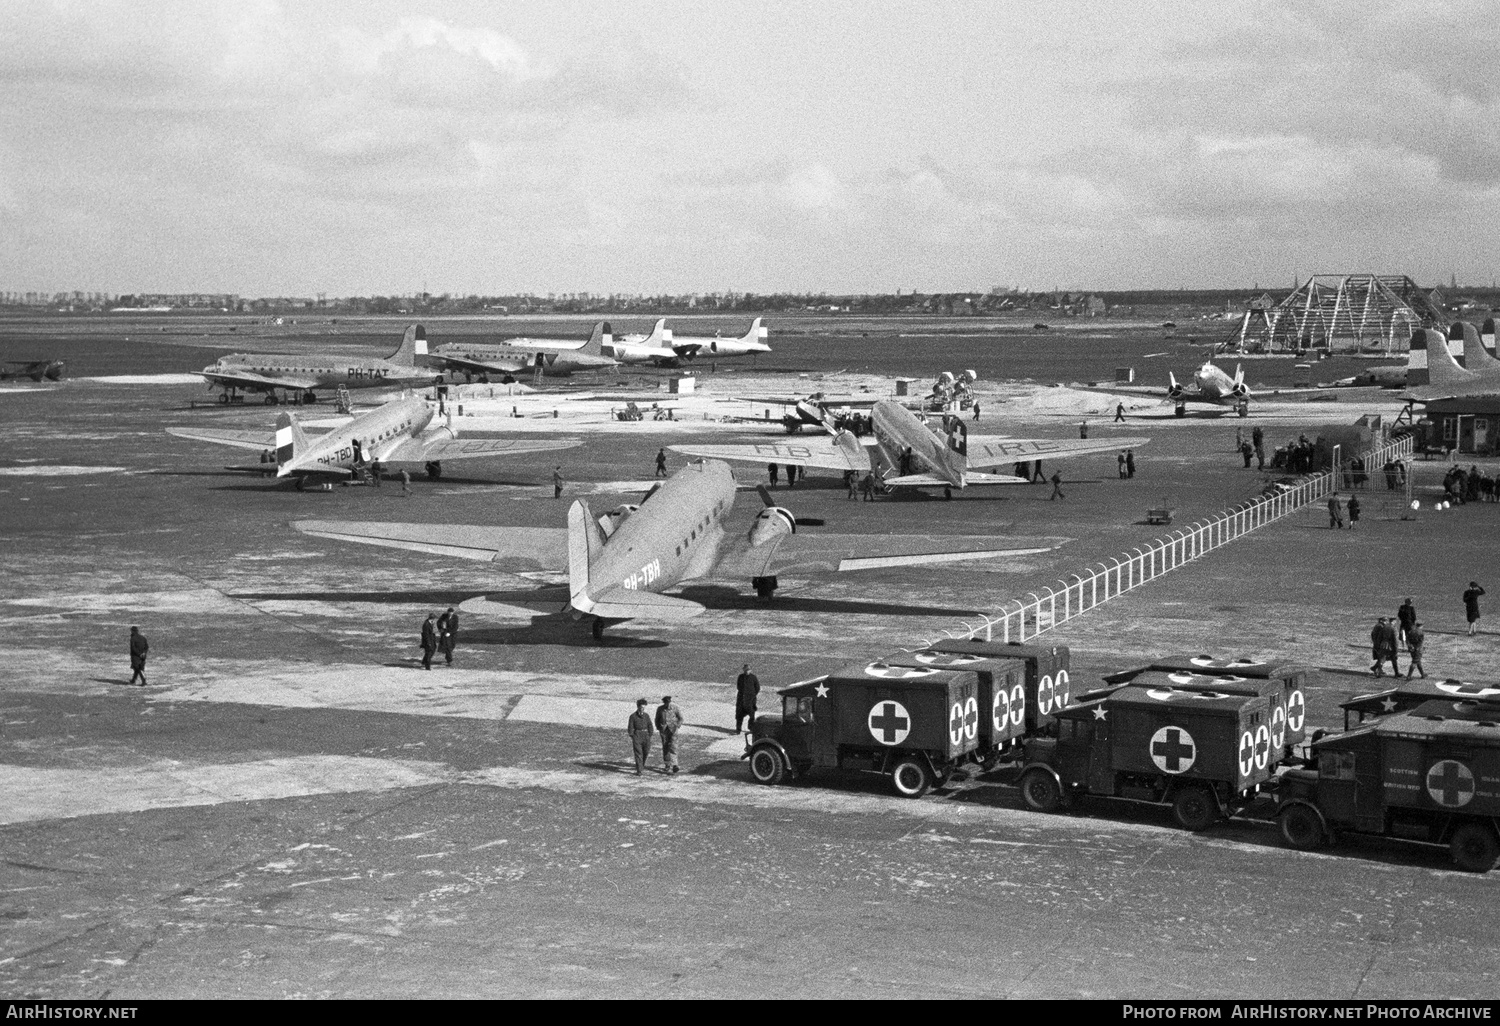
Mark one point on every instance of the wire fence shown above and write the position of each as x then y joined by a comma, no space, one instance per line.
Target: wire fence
1074,595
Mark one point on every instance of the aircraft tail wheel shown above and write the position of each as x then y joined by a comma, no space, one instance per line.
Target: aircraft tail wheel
1474,847
767,766
1195,808
1301,828
1040,791
598,629
911,778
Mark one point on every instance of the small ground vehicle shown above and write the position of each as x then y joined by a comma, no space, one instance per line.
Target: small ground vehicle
1431,774
1409,694
1206,753
915,724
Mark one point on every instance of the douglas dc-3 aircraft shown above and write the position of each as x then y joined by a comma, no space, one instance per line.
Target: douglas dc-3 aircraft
654,348
1432,372
751,342
516,356
266,372
398,432
620,564
907,453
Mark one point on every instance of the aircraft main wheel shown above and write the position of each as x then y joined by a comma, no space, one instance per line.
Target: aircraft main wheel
301,484
1301,828
767,766
911,777
765,587
598,629
434,470
947,493
224,398
1040,791
270,398
1475,848
309,397
1195,809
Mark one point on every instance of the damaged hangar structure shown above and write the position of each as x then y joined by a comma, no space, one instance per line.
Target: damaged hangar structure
1338,313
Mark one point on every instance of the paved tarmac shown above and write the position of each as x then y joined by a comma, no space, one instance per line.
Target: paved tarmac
293,808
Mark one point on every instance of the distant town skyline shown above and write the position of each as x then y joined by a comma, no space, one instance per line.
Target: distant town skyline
461,147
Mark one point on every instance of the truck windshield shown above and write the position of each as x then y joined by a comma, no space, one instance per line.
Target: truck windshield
796,710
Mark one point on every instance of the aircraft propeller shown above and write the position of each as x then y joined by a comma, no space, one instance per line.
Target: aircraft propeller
770,503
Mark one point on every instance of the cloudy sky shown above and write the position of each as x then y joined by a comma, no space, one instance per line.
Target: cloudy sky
387,146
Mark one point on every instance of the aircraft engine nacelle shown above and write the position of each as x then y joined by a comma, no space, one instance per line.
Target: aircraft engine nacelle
771,523
610,522
1175,391
1239,391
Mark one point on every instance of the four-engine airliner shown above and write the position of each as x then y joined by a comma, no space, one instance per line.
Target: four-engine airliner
306,374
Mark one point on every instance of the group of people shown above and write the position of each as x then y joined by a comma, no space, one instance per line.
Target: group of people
793,472
668,721
1253,447
1390,634
1126,460
1295,457
439,634
1472,485
1336,510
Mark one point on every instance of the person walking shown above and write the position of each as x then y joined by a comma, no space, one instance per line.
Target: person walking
375,471
976,409
639,729
1057,492
1335,512
447,627
1260,456
773,470
1257,437
1471,605
557,482
429,640
138,650
851,482
1120,459
1036,472
1119,412
1383,647
1130,463
661,462
669,722
746,688
1353,511
405,483
868,486
1247,451
1406,616
1416,638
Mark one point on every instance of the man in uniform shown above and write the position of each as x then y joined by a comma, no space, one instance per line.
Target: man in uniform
1471,605
661,462
639,729
1335,512
447,626
1407,616
746,687
429,640
1383,647
1415,639
669,722
138,650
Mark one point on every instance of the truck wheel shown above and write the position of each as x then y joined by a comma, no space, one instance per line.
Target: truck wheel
1301,828
767,766
1474,848
911,778
1195,809
1040,791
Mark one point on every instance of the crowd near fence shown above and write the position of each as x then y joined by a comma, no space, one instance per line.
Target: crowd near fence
1022,619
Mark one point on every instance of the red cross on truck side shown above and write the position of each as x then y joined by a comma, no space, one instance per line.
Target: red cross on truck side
889,723
1450,783
1170,751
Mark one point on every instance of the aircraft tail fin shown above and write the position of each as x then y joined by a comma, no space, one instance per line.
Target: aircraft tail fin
597,340
1429,362
756,332
659,336
1464,340
413,344
1487,335
585,541
289,439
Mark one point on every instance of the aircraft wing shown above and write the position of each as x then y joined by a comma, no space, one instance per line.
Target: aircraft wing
992,450
838,552
244,379
624,604
415,449
241,439
540,548
822,455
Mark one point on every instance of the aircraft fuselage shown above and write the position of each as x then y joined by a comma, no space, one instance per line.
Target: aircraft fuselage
371,436
897,428
324,374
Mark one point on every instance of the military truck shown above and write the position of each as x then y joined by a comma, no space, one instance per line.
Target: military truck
1206,753
1048,685
1002,696
1419,775
914,724
1409,694
1292,703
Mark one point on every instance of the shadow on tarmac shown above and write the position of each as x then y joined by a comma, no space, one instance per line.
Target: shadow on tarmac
112,680
720,597
436,598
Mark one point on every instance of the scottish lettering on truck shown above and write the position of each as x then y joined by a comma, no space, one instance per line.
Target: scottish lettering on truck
914,724
1430,775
